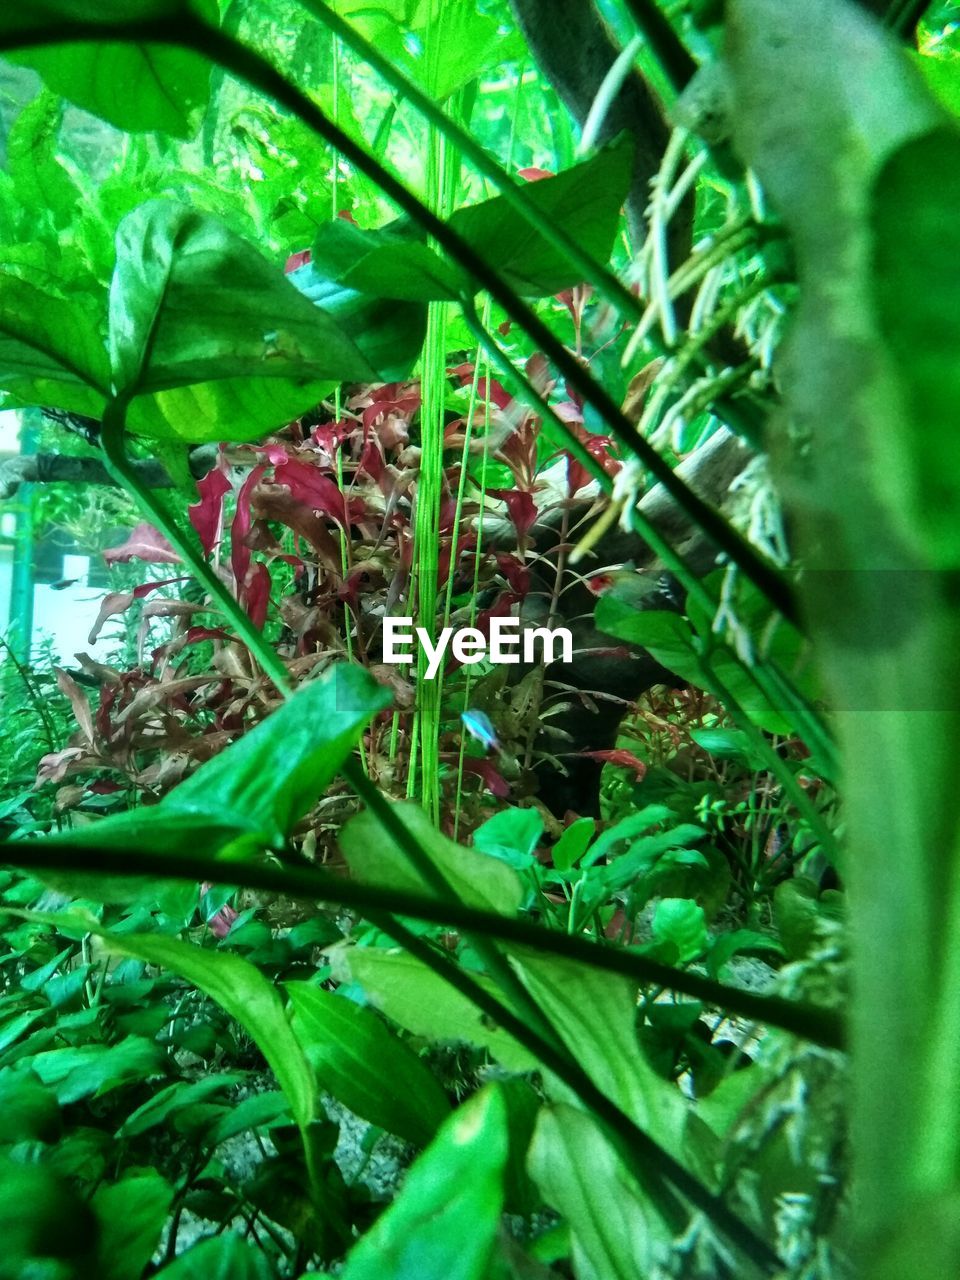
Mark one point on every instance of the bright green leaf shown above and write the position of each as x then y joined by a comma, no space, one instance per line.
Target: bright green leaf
511,835
364,1065
375,858
444,1223
242,990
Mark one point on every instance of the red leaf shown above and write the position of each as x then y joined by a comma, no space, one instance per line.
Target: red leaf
297,260
120,601
239,551
207,514
516,573
144,543
520,507
308,484
620,757
256,594
534,174
492,780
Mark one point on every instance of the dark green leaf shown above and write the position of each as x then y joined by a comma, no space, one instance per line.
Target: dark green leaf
586,199
192,302
130,1215
390,262
388,333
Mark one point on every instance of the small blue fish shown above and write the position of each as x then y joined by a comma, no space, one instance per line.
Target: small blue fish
477,724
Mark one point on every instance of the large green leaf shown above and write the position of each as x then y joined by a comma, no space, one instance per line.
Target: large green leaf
130,1215
420,1001
917,294
822,106
51,347
595,1015
390,262
389,333
132,86
191,302
586,199
444,1223
364,1065
242,990
614,1230
477,879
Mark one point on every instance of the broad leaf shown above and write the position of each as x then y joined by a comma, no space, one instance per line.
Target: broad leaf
131,1215
135,87
595,1015
389,334
192,302
390,262
511,835
586,199
614,1229
375,858
420,1001
273,774
444,1223
364,1065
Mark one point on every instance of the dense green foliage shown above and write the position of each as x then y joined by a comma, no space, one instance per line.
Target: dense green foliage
304,964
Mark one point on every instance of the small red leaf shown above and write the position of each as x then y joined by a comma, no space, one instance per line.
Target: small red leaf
520,506
206,516
144,543
622,758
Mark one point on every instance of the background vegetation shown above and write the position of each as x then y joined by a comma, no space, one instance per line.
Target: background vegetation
643,965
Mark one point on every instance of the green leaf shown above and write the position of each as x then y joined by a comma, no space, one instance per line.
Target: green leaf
682,923
192,302
511,835
614,1230
242,990
728,744
444,1223
388,333
135,87
364,1065
375,858
131,1215
421,1002
159,1108
595,1015
226,1257
390,262
40,179
586,199
274,773
51,348
95,1069
42,1218
256,1112
573,843
916,298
